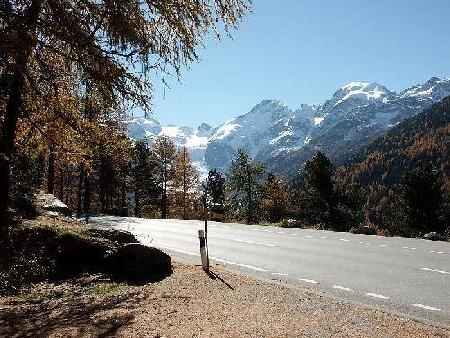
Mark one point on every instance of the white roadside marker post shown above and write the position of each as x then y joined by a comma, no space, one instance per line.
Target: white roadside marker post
203,252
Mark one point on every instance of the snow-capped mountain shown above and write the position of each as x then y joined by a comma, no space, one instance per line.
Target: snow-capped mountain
284,138
195,140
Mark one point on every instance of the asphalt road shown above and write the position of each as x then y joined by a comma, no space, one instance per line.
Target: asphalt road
410,277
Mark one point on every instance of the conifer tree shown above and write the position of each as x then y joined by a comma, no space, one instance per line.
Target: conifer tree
164,153
245,180
186,180
418,202
275,203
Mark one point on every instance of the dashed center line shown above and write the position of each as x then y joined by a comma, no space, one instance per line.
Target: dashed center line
244,241
434,270
339,287
308,281
374,295
383,244
426,307
438,252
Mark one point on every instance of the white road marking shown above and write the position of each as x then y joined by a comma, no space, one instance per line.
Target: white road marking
267,230
383,244
434,270
237,264
343,239
341,288
439,252
413,248
280,232
309,236
370,294
323,237
368,243
426,307
278,274
294,234
243,241
405,247
361,242
308,281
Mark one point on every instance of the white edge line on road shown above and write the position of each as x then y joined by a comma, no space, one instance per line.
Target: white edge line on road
344,240
434,270
294,234
323,237
370,294
426,307
339,287
309,236
278,274
308,281
238,264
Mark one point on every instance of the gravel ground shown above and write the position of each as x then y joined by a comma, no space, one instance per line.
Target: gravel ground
192,304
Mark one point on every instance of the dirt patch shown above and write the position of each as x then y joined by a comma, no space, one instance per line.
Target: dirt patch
190,303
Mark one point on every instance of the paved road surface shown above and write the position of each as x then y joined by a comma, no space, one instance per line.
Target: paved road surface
406,276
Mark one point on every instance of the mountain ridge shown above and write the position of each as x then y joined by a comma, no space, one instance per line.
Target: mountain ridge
284,138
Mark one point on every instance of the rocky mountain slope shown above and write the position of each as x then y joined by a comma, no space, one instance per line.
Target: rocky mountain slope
285,139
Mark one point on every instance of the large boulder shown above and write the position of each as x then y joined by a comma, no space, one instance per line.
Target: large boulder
139,264
52,204
117,236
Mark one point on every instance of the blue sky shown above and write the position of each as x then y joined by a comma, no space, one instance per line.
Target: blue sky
301,51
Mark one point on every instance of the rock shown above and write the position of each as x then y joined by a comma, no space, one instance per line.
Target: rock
52,204
364,230
117,236
433,236
76,254
293,223
136,263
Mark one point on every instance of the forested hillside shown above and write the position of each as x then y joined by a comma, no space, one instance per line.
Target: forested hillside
407,172
423,138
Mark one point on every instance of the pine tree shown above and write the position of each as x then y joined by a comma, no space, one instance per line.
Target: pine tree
275,203
245,180
186,181
164,153
215,190
418,201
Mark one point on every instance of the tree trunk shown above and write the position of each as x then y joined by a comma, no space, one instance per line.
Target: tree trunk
26,35
51,171
122,201
80,190
87,197
249,198
8,134
136,203
184,183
